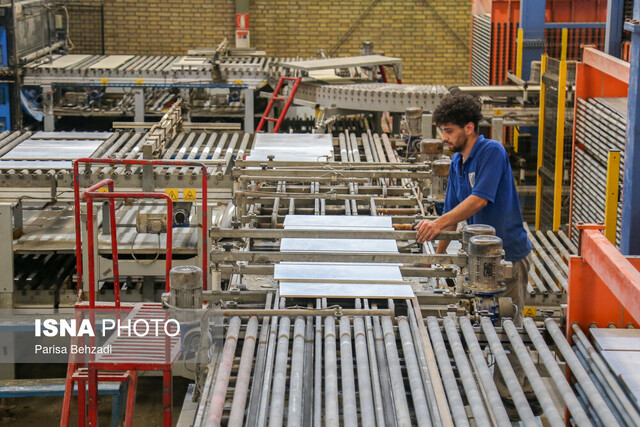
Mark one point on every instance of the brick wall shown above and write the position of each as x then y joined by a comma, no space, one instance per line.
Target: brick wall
432,37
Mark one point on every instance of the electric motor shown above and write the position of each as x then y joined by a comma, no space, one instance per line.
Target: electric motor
186,286
486,264
430,150
440,179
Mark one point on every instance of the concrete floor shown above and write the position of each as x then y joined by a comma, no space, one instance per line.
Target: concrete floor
45,411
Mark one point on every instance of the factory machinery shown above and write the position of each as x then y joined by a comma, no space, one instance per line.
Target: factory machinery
305,236
362,175
211,83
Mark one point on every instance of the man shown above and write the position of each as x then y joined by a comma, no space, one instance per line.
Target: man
481,190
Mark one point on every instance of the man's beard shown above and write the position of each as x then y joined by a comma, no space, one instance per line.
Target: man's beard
456,148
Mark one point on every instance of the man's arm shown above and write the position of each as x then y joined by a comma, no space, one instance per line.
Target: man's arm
444,244
428,230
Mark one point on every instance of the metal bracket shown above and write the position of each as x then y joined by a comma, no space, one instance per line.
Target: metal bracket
632,26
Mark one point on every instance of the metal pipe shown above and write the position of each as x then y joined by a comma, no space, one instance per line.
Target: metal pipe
561,278
332,412
532,373
545,274
378,400
420,405
345,155
448,377
397,384
256,390
105,145
559,246
626,408
355,152
317,384
244,374
307,394
277,233
382,364
276,412
427,382
603,411
349,406
266,383
495,403
554,253
9,146
573,248
324,312
294,414
367,148
560,380
510,378
580,355
219,394
466,374
367,410
584,401
256,257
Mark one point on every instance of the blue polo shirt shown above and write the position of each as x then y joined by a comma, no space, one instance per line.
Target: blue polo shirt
487,173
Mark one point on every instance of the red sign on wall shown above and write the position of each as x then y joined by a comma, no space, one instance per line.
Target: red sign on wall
242,21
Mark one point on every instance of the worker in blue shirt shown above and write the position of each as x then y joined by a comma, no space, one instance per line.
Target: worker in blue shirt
481,190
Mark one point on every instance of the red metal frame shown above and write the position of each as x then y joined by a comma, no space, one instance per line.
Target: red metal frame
99,370
604,285
274,98
111,197
505,19
76,192
123,369
76,373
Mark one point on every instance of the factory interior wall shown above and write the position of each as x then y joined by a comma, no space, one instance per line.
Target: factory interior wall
432,38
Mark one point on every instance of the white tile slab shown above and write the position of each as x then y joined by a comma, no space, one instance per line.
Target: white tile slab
337,222
341,290
616,339
342,272
339,245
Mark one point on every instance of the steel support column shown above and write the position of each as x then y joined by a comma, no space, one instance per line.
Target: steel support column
248,110
613,33
630,244
138,106
532,23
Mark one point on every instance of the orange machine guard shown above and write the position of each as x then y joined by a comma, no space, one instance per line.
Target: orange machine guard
604,285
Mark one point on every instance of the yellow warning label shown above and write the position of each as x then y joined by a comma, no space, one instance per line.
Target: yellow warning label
104,81
497,112
139,81
189,194
173,193
529,312
103,190
238,82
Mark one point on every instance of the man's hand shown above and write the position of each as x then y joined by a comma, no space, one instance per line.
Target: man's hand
427,230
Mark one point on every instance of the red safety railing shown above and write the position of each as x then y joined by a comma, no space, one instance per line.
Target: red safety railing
93,194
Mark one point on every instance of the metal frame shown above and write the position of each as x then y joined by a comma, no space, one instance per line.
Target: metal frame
604,285
76,190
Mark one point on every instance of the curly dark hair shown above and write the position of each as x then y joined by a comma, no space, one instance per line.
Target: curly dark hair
459,109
